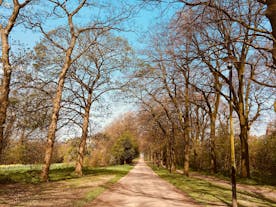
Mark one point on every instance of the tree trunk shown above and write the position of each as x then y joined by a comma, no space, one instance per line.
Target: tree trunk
163,158
187,130
54,119
51,133
79,163
245,170
186,159
213,119
172,147
173,161
4,87
212,142
195,159
7,69
196,141
232,149
167,157
271,15
243,118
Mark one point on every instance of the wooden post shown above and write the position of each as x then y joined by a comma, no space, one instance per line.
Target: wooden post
232,142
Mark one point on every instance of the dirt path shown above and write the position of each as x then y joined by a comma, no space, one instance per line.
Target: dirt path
142,188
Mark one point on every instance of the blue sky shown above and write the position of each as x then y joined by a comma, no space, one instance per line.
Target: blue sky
140,25
137,26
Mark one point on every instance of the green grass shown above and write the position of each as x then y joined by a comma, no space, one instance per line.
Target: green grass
118,170
31,173
14,167
260,180
65,173
210,194
263,180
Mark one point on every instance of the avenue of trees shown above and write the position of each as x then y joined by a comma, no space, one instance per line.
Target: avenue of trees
185,82
181,82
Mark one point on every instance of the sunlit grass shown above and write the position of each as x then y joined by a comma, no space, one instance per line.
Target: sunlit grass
260,180
94,181
31,173
118,171
60,171
210,194
33,166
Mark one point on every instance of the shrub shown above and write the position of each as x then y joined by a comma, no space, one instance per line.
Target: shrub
125,149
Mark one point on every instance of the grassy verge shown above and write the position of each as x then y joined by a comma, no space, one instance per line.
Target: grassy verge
208,193
258,180
66,188
31,173
118,171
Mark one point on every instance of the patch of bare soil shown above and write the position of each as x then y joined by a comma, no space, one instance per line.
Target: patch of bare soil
61,193
143,188
265,192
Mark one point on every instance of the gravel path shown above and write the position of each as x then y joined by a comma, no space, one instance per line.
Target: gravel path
142,188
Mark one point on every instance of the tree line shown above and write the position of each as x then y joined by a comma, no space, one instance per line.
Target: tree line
185,81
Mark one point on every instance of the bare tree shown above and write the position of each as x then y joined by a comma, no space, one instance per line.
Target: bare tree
271,15
260,29
154,101
236,49
227,33
5,30
93,75
64,39
169,77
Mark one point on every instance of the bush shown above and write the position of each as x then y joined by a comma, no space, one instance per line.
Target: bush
263,156
125,149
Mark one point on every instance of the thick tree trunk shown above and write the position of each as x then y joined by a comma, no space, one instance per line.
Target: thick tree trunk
243,118
186,160
163,158
79,163
271,15
187,130
7,69
4,86
169,160
196,141
187,141
172,148
170,156
245,170
195,159
212,142
167,157
213,119
173,161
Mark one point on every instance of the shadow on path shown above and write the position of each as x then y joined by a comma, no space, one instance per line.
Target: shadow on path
143,188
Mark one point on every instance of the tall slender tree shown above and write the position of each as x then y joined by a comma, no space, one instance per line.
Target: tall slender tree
64,39
94,75
6,28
